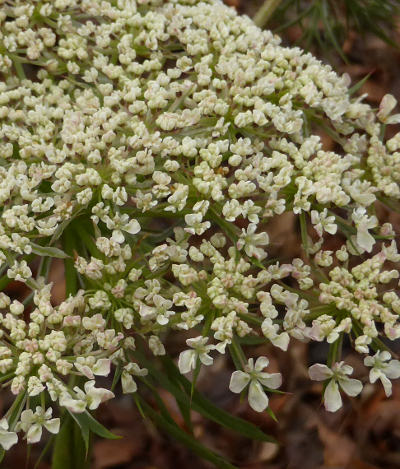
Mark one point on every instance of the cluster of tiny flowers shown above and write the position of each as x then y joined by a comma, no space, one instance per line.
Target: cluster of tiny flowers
151,143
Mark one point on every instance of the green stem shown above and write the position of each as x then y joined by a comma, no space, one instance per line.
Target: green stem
70,272
303,231
335,351
264,14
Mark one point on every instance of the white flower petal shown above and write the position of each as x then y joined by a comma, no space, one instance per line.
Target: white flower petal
117,236
34,433
387,385
374,374
319,372
365,240
281,341
128,383
239,380
132,227
52,425
345,369
4,424
332,397
261,363
26,419
270,380
352,387
386,106
96,396
221,347
73,405
206,359
392,370
384,355
395,119
187,361
84,369
102,367
8,439
258,400
369,361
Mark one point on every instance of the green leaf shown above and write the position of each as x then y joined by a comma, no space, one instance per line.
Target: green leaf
237,354
271,414
48,251
19,68
4,281
88,423
83,230
63,225
69,449
359,84
117,376
84,428
15,410
252,340
172,429
59,231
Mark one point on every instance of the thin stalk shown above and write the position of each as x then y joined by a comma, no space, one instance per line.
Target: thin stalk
70,272
264,14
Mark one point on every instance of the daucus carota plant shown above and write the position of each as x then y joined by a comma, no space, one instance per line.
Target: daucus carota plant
150,144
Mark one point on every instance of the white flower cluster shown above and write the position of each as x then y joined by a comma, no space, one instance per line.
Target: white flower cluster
149,143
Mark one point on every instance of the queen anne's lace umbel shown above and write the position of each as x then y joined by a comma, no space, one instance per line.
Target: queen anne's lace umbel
152,142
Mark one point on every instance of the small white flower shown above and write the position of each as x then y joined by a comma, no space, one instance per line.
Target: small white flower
364,223
256,378
7,439
31,423
322,222
338,377
122,223
383,369
127,382
188,358
231,210
271,332
195,223
92,397
249,240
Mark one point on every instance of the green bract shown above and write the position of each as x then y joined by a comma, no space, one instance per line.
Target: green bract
148,144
